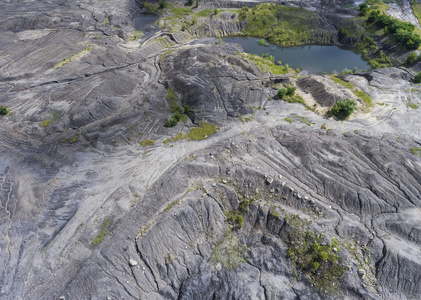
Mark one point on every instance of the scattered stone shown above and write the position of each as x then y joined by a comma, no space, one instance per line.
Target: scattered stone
269,180
361,273
280,176
218,266
132,262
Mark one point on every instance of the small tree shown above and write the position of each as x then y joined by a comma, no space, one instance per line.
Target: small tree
190,2
343,109
417,77
215,11
197,4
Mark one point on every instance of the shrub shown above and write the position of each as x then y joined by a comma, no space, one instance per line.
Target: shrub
343,109
291,90
215,11
3,110
190,2
177,116
186,109
197,4
171,122
417,77
281,93
363,8
411,59
162,4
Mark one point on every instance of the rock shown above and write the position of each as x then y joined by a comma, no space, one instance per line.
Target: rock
133,263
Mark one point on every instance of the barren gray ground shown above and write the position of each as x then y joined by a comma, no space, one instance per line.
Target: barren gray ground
73,170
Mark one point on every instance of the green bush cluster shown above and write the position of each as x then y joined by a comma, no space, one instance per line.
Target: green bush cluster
310,254
412,59
284,26
403,32
288,91
163,4
343,109
179,114
417,78
146,143
380,61
363,8
3,110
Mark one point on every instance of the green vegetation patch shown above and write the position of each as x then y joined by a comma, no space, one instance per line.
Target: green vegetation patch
416,8
146,143
105,227
311,255
284,26
416,151
343,109
301,119
203,131
369,102
229,252
402,32
3,110
55,116
204,13
266,63
171,205
180,12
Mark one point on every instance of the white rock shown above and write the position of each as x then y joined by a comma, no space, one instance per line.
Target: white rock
132,262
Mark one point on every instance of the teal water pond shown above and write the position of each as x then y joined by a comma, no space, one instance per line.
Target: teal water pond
315,59
141,21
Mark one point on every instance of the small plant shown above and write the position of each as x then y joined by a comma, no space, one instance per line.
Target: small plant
146,143
3,110
215,11
343,109
183,28
281,93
